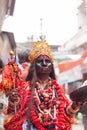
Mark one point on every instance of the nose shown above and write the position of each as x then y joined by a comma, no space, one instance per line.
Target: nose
44,63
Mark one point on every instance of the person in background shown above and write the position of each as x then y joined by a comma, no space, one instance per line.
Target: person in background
23,56
3,98
38,103
24,64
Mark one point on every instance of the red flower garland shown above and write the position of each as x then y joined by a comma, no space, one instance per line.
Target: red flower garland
64,122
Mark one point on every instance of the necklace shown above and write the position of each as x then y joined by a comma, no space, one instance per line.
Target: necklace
46,104
63,122
42,84
46,115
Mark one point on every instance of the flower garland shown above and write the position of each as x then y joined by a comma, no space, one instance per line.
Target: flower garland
63,122
15,123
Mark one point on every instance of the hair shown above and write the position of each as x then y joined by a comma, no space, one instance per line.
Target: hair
1,64
32,77
23,56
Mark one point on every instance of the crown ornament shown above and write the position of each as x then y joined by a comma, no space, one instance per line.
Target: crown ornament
40,48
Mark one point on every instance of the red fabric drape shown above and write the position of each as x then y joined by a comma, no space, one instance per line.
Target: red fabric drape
64,66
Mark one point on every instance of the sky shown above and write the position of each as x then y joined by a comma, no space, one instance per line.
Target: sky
59,20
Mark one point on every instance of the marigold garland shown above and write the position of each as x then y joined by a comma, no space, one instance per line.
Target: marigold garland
64,122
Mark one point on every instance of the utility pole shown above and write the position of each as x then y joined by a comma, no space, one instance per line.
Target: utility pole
42,37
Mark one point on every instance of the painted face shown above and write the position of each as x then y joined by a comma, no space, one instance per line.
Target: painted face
43,64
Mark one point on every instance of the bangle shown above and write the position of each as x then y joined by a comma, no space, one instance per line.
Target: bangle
74,110
71,111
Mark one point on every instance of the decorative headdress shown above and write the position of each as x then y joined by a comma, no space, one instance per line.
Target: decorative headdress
40,48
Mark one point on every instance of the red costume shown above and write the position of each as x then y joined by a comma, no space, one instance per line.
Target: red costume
15,121
48,106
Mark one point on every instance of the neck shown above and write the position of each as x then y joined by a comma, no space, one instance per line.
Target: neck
43,77
43,80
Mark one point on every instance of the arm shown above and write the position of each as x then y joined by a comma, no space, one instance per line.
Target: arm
72,109
78,97
10,84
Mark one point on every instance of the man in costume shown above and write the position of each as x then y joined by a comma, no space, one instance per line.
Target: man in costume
39,103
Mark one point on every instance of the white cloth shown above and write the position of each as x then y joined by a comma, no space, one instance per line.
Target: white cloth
84,83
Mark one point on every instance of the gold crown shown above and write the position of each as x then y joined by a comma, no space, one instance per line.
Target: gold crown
40,48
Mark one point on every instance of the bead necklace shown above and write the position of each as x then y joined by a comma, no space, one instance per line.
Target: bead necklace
46,104
63,122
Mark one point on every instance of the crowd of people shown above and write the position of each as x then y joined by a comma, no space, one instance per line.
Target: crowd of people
35,100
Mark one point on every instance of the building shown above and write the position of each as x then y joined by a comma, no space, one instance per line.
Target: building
7,41
77,45
6,9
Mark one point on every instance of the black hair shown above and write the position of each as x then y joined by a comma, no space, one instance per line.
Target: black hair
32,77
1,64
23,56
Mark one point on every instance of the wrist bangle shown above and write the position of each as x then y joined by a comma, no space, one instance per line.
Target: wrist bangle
74,110
71,111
